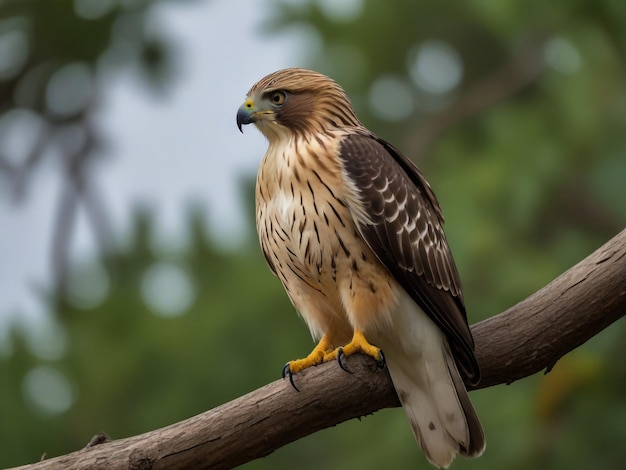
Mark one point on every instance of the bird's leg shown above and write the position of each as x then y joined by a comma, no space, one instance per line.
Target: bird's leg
317,356
358,344
314,358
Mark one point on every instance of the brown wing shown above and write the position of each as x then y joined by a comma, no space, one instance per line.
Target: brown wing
405,231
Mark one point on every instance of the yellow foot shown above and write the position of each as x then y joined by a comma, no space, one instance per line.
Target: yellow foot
316,357
358,344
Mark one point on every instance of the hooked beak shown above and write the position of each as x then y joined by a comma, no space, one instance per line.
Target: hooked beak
252,112
245,115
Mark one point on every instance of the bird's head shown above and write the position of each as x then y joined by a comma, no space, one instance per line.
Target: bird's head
296,101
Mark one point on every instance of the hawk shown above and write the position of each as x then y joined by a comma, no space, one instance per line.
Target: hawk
355,234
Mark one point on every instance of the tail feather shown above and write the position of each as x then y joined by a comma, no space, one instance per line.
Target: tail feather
431,390
445,399
437,444
477,441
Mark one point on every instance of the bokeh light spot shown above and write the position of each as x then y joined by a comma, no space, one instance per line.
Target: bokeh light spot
69,90
47,340
345,10
17,127
391,99
436,67
88,285
167,289
48,390
92,9
562,55
14,48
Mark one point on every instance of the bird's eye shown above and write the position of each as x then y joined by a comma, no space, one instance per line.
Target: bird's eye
278,98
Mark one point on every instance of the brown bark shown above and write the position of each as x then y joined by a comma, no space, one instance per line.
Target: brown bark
528,337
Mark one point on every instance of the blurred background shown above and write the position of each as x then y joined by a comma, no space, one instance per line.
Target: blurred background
133,293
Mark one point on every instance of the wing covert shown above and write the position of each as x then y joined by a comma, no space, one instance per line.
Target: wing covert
404,228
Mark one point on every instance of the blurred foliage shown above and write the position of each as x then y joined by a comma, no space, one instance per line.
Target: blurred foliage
529,165
55,58
132,367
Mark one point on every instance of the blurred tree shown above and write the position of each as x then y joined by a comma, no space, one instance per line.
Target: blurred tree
165,339
55,57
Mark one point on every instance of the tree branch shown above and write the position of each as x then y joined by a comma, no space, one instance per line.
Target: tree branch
525,339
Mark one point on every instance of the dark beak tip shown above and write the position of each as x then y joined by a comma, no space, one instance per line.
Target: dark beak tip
243,117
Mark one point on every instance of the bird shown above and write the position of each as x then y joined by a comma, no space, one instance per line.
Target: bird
355,234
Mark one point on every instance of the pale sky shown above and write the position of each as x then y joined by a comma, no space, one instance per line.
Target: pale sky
163,152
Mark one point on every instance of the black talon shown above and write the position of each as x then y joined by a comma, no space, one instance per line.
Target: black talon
380,363
341,360
287,372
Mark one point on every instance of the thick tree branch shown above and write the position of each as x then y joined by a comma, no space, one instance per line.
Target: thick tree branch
527,338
